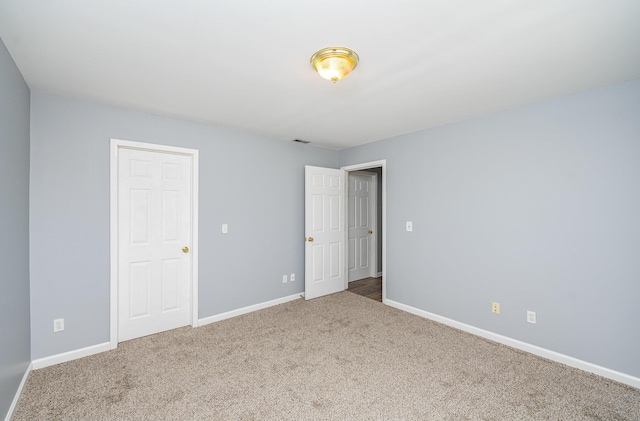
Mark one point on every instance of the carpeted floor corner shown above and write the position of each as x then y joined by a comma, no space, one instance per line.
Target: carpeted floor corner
340,357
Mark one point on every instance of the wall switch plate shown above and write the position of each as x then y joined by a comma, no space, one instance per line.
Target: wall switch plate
225,228
495,308
292,277
284,279
58,325
409,226
531,317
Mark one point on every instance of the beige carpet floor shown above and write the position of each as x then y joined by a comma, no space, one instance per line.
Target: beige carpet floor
340,357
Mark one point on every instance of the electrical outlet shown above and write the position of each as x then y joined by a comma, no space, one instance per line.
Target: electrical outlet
58,325
531,317
284,279
292,277
495,308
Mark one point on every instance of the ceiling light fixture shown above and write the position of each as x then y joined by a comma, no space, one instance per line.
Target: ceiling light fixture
334,63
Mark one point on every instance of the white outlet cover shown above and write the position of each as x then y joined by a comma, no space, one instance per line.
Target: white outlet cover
225,228
409,226
58,325
292,277
531,317
284,279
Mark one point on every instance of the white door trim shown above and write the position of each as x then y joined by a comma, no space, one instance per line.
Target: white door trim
365,166
373,246
116,144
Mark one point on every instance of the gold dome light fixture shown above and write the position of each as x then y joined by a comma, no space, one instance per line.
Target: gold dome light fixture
334,63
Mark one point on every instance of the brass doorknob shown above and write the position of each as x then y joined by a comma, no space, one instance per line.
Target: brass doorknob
310,239
185,249
370,232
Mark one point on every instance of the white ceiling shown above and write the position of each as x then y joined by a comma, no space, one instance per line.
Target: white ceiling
244,64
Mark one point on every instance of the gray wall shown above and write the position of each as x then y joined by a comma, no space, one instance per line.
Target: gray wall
14,229
255,184
537,208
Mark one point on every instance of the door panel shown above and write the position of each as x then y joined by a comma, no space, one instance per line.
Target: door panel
170,284
324,224
154,213
170,215
139,289
364,252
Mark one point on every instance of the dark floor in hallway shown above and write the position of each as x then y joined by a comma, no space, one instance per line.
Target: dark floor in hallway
367,287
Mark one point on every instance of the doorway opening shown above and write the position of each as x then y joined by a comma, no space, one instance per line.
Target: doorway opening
367,241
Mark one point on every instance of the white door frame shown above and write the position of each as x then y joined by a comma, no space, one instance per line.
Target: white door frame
116,144
365,166
373,213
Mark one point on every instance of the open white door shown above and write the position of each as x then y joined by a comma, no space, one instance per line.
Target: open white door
325,237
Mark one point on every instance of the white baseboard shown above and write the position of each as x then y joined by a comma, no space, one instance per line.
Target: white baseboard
107,346
523,346
71,355
16,398
249,309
